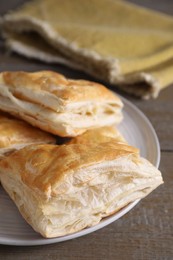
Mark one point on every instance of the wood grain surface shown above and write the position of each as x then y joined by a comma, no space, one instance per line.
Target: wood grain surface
146,232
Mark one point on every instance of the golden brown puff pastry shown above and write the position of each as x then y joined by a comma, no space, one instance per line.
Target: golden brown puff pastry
61,106
99,135
64,189
15,134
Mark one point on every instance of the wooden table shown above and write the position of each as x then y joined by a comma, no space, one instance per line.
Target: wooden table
146,232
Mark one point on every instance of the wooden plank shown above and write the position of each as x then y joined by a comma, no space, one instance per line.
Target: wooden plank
165,6
5,6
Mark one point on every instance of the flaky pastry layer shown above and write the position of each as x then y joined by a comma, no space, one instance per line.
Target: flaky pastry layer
99,135
15,134
63,189
56,104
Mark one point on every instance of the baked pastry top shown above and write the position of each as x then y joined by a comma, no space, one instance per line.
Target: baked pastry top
99,135
56,104
15,134
63,189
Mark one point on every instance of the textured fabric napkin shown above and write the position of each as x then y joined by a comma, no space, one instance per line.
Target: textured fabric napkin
126,45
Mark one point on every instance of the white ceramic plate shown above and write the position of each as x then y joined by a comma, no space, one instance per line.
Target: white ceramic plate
137,130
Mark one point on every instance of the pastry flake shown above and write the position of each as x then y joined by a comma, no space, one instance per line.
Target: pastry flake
99,135
61,106
15,134
63,189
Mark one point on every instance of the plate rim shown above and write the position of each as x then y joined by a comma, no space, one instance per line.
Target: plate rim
145,118
104,222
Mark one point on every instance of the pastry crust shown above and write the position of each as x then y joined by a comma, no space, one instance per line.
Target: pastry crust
99,135
15,134
63,189
56,104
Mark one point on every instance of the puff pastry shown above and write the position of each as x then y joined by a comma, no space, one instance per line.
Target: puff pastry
15,134
61,106
63,189
99,135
